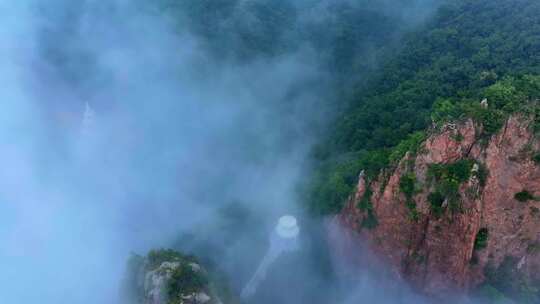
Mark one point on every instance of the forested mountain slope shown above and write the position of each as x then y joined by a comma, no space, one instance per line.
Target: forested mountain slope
467,47
460,213
437,157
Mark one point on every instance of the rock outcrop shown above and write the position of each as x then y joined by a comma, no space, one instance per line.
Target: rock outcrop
167,277
440,242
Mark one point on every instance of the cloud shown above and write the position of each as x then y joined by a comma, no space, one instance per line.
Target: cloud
179,133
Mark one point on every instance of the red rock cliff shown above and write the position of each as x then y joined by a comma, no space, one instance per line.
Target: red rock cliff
437,254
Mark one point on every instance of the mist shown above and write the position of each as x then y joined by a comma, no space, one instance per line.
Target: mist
197,140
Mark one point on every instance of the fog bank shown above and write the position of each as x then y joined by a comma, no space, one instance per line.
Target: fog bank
188,121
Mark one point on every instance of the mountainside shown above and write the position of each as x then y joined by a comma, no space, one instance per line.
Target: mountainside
459,212
466,47
454,209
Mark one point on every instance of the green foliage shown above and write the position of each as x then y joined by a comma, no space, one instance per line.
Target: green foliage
458,137
503,94
412,144
413,212
447,179
482,174
341,36
524,196
184,281
460,58
491,119
331,186
441,74
536,158
510,95
507,96
157,257
436,200
365,203
481,239
334,181
536,122
185,276
459,171
407,184
370,222
444,110
447,111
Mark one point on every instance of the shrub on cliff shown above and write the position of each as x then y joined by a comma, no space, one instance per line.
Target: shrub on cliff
536,158
436,200
447,179
365,203
370,222
524,196
481,239
334,181
407,185
412,144
482,174
459,171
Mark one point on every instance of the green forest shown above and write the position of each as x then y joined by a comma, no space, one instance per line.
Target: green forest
470,50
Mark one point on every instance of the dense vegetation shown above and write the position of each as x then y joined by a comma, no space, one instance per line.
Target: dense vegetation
536,158
407,185
365,204
524,196
481,239
457,55
341,34
471,50
447,179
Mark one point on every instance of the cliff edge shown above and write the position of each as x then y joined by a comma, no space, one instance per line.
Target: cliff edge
460,213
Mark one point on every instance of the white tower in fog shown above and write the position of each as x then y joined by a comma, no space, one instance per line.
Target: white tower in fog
88,133
88,121
283,239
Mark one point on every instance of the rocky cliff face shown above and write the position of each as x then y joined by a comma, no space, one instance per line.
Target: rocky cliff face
462,212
